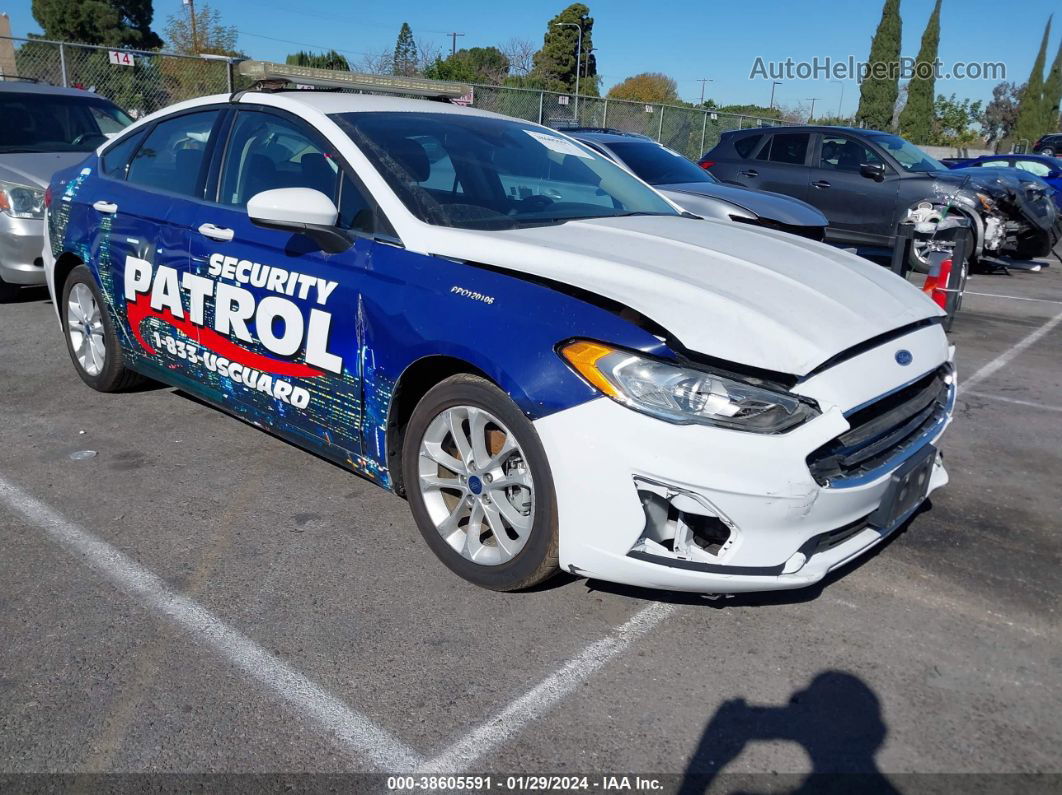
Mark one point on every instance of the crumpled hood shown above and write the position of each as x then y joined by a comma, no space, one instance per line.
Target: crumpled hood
746,295
36,168
772,206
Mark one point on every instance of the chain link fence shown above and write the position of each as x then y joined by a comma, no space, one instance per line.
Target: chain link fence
139,82
142,82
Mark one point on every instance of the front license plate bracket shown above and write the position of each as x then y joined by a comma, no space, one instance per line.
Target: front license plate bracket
908,487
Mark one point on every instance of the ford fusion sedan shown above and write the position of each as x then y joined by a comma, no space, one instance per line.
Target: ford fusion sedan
697,191
43,130
556,366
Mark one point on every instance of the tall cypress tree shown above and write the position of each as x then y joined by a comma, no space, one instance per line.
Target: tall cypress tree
1031,114
878,92
405,60
1053,93
916,118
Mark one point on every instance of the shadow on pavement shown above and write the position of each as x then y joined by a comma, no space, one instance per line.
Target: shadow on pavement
837,719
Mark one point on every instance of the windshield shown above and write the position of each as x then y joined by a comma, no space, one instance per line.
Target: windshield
909,156
658,165
475,172
56,123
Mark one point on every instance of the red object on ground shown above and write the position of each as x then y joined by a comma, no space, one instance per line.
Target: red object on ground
936,284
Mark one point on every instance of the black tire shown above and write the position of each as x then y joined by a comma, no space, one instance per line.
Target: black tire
8,292
114,376
537,560
1047,151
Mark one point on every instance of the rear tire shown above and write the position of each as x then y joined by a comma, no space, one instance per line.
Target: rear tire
91,340
495,479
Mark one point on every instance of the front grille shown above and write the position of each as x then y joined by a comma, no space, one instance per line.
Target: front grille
883,430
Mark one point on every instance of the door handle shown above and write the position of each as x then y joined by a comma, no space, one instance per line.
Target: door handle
105,207
216,232
750,173
821,184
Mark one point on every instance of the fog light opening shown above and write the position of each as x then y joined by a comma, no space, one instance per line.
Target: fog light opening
682,526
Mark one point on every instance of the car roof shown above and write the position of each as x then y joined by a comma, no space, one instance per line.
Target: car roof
809,128
16,86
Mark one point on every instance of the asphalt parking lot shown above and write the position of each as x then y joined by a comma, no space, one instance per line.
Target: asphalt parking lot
201,597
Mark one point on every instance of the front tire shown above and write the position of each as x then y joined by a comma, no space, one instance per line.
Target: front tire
91,340
479,485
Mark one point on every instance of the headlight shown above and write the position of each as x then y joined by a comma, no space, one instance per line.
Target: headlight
683,395
21,201
986,202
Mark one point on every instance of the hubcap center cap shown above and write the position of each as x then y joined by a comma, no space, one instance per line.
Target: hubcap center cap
475,485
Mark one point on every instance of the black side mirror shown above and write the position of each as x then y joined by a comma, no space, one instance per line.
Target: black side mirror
874,171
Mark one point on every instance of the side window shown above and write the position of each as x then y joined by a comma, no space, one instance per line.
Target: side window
993,164
1033,167
266,152
115,160
171,158
747,145
355,210
791,148
845,154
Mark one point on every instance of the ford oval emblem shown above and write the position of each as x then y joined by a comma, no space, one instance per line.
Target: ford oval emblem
904,357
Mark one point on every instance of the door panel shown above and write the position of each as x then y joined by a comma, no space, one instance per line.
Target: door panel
859,208
780,166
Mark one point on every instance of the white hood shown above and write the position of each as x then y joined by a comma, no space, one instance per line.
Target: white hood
746,295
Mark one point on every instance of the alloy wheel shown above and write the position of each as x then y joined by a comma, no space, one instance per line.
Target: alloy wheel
84,324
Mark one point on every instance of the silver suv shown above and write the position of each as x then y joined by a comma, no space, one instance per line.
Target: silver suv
44,129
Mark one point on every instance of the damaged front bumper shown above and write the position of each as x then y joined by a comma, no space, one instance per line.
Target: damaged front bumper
708,510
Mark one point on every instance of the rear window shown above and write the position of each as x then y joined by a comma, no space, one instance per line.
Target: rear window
747,145
658,165
116,158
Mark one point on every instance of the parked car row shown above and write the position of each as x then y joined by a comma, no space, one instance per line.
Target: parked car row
867,183
558,366
44,129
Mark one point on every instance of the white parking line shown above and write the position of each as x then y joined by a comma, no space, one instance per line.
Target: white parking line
1015,401
540,699
352,730
1012,297
1008,355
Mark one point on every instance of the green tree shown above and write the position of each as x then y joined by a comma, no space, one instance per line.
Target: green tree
880,88
211,34
1053,93
555,64
1001,114
319,60
1031,116
953,121
646,87
476,65
113,23
916,118
405,60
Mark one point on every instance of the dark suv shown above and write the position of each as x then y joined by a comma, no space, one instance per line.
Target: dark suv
867,182
1049,145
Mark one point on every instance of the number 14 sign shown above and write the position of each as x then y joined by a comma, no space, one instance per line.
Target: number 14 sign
119,58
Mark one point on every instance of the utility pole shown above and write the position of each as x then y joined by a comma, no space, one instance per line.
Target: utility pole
702,81
841,100
191,16
773,84
578,59
453,42
812,101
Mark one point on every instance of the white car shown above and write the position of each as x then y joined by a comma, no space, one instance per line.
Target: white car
554,364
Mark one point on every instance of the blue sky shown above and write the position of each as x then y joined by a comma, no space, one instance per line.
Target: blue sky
687,40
